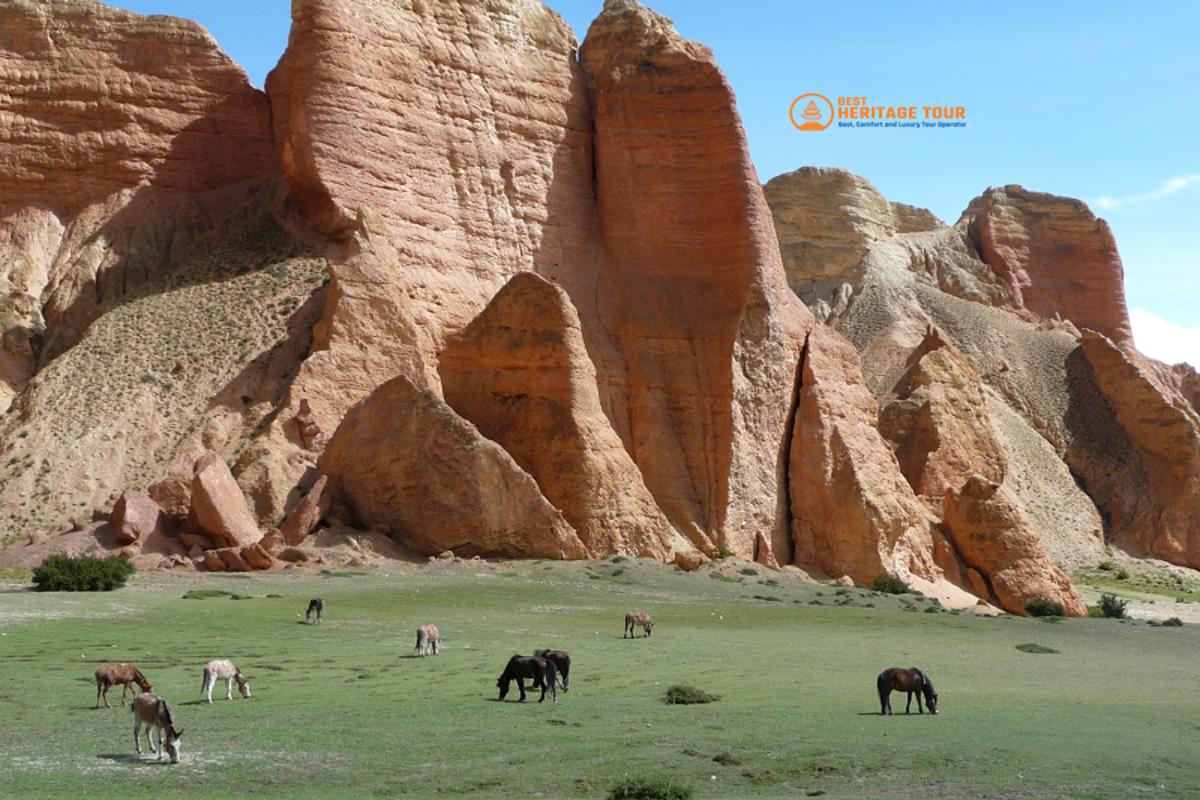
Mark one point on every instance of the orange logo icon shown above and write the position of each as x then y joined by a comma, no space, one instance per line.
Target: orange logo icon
817,114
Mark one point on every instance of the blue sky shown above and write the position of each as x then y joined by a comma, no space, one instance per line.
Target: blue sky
1098,100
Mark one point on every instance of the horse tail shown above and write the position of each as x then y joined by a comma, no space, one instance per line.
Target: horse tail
881,683
552,677
204,681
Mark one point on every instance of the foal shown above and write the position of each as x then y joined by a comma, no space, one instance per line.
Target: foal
153,712
108,675
912,681
315,606
635,618
224,669
429,640
562,662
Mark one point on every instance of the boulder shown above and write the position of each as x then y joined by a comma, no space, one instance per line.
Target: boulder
136,517
308,512
409,465
218,506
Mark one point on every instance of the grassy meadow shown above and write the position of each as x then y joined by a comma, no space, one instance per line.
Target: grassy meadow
343,709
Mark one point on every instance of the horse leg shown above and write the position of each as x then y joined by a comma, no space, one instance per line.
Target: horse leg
209,683
104,694
137,730
521,686
908,705
229,688
160,744
98,693
124,689
920,710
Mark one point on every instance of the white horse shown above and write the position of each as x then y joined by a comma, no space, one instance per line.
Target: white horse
224,669
428,640
153,712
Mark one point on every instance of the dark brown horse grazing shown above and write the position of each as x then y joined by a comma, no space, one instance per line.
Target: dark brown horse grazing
109,675
912,681
519,668
562,662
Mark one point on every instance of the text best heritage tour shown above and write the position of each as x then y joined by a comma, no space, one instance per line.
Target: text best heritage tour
857,112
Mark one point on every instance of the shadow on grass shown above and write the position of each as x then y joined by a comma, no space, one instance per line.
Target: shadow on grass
132,758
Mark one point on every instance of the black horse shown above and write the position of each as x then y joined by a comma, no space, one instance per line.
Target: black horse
521,667
561,660
912,681
315,606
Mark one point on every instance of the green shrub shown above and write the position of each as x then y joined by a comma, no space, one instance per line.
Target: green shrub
1112,606
1030,647
1094,612
1107,566
82,574
889,584
688,695
1173,622
726,760
1122,575
205,594
649,789
748,571
1043,607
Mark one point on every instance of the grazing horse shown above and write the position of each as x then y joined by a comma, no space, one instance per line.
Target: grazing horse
428,640
108,675
224,669
315,606
561,660
912,681
153,712
635,618
519,668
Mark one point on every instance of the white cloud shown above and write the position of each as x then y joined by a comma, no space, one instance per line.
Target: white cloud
1165,189
1164,340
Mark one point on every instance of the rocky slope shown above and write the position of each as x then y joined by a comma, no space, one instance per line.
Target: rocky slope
455,281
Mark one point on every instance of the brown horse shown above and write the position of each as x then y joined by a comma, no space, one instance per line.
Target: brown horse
912,681
109,675
519,668
635,618
562,662
153,712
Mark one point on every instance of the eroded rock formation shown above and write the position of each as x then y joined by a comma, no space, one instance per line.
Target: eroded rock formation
516,301
412,467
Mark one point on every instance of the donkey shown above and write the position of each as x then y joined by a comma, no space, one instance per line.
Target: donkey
635,618
429,640
108,675
561,660
153,712
315,606
224,669
521,667
912,681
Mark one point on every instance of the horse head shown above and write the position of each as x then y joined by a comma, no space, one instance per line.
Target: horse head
172,743
243,684
931,696
648,627
502,682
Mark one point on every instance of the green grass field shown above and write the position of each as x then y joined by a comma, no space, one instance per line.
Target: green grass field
343,710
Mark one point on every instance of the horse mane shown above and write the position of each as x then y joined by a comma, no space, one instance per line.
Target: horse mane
164,714
139,677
